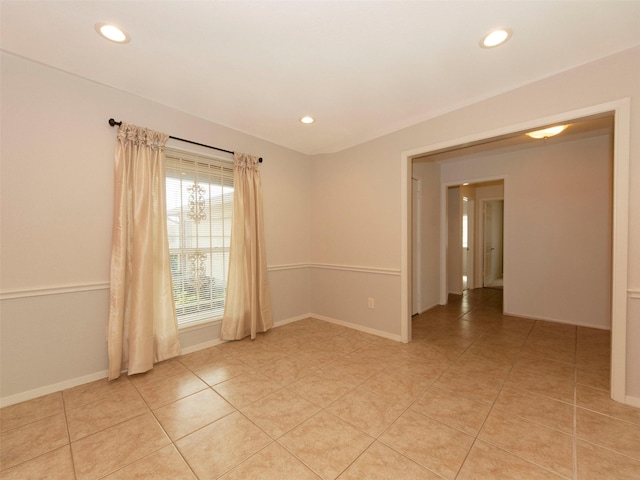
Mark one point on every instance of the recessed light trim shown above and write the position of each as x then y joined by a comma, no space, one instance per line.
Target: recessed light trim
547,132
112,33
496,37
307,119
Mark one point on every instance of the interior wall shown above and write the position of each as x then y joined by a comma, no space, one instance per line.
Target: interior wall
56,200
381,161
557,227
483,193
429,173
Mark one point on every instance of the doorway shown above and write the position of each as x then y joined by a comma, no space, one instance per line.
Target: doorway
492,243
619,110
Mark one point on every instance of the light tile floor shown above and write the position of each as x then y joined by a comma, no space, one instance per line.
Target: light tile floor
476,395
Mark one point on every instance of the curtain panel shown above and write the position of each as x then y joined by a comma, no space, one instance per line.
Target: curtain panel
143,329
248,300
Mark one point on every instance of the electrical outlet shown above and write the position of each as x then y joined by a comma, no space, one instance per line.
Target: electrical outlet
371,302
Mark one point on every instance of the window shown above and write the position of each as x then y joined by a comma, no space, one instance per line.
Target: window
199,209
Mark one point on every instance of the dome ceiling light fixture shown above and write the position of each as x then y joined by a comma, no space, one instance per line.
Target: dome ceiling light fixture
496,37
307,119
547,132
112,32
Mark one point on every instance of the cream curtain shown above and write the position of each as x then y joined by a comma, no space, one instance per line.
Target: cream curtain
143,328
248,302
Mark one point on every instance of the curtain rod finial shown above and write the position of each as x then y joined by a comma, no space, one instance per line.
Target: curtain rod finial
113,123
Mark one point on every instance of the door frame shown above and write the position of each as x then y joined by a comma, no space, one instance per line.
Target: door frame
621,109
416,226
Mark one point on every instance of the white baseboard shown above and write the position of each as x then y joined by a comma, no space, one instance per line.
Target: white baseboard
53,388
555,320
372,331
74,382
632,401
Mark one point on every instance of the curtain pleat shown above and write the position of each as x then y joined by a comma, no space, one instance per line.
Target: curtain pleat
248,300
143,329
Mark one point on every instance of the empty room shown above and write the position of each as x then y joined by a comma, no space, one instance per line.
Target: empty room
319,240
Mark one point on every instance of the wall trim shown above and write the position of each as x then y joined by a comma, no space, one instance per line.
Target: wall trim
287,266
372,331
555,320
635,294
358,269
52,290
632,401
53,388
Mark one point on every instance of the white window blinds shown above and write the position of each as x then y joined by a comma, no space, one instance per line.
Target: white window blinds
199,192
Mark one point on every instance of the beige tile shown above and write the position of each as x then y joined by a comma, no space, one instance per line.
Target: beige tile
476,364
548,385
246,388
163,464
188,414
200,358
30,411
31,440
367,411
403,390
222,445
90,392
169,389
109,450
462,383
104,413
486,462
271,463
594,378
352,369
595,463
558,349
279,412
320,388
457,412
440,448
221,370
260,357
287,370
608,432
536,443
160,371
55,465
545,366
379,462
600,401
539,409
326,444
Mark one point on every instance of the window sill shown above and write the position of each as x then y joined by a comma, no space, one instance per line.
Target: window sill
198,324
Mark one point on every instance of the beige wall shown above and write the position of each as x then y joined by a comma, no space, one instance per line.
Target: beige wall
350,174
331,220
57,195
557,226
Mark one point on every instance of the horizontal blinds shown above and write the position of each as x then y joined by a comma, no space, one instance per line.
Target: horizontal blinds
199,191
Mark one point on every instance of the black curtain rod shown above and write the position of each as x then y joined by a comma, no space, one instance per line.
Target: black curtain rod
113,123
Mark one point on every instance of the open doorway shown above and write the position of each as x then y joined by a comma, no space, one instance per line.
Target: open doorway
620,155
492,243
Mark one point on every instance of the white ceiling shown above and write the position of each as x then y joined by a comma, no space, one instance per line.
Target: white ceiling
362,69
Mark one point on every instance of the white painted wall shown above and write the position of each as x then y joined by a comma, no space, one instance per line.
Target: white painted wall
557,227
57,195
366,180
351,218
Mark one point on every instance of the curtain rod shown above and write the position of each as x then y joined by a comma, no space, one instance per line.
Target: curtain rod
113,123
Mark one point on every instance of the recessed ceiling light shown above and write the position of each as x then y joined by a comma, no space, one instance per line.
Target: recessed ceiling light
307,119
495,37
547,132
111,32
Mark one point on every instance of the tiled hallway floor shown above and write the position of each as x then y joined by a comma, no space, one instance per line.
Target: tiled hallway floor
476,395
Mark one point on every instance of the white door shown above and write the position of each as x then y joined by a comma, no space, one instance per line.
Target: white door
416,261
